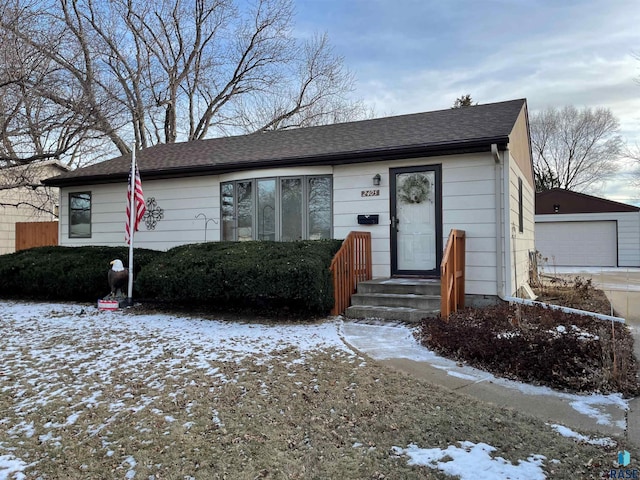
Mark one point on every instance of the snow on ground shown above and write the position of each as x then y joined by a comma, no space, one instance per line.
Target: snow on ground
567,432
473,461
383,342
50,349
12,468
69,353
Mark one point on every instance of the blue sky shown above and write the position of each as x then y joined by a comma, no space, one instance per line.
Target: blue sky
420,55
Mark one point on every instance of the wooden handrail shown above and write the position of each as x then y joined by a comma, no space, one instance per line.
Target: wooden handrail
452,274
350,265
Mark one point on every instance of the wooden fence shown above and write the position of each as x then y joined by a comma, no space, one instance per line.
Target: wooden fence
36,234
351,264
452,274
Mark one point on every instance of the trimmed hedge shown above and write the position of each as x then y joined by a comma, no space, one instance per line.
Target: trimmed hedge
272,277
263,277
64,273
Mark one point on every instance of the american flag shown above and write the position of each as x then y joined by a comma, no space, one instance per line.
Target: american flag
138,205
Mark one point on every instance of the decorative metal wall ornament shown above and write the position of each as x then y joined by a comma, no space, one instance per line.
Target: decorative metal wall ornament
416,188
153,214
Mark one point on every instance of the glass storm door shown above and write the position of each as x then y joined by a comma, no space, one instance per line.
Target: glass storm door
416,221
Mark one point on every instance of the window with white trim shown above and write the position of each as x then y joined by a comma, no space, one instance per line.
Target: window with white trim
277,208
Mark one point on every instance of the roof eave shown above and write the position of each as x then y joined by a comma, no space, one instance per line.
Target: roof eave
412,151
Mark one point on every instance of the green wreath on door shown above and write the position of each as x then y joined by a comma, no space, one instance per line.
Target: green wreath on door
416,188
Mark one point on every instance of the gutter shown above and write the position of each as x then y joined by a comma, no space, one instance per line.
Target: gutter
525,301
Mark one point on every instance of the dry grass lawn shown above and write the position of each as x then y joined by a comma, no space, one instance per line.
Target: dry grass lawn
87,395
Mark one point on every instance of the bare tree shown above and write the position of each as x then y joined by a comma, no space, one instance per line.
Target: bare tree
176,70
574,149
32,128
632,154
81,80
316,94
21,188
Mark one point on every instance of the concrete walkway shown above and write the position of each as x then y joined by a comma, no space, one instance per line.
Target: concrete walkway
395,346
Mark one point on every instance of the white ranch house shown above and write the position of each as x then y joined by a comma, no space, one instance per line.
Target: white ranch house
408,180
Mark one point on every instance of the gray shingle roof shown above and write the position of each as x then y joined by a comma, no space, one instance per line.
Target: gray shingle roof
461,129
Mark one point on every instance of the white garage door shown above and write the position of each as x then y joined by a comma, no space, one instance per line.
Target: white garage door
584,244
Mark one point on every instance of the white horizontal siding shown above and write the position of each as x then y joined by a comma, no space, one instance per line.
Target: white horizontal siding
520,243
468,200
464,189
368,205
468,204
180,199
482,215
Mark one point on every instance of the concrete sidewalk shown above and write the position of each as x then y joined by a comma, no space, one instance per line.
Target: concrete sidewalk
394,345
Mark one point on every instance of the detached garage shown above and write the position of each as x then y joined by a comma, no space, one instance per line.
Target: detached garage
574,229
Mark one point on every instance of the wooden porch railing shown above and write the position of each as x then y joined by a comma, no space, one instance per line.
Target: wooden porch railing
452,274
350,265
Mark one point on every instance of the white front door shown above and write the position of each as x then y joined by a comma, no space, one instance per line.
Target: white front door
415,221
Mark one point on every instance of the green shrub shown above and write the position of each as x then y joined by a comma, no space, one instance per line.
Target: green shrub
64,273
271,277
259,276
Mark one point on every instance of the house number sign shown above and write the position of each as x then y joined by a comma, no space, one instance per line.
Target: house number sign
370,193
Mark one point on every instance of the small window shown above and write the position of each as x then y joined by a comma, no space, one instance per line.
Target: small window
520,208
80,215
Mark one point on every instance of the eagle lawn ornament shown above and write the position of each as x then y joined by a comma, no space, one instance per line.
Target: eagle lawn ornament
118,278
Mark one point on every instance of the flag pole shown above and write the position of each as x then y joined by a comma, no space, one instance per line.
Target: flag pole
132,214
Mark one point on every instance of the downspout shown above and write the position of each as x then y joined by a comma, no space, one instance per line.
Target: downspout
498,194
506,188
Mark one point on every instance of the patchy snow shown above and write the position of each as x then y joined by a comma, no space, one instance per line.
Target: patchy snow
383,342
508,334
580,333
131,473
12,468
471,461
583,334
49,355
567,432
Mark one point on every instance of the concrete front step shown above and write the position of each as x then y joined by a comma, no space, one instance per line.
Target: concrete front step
400,286
400,299
399,314
410,300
